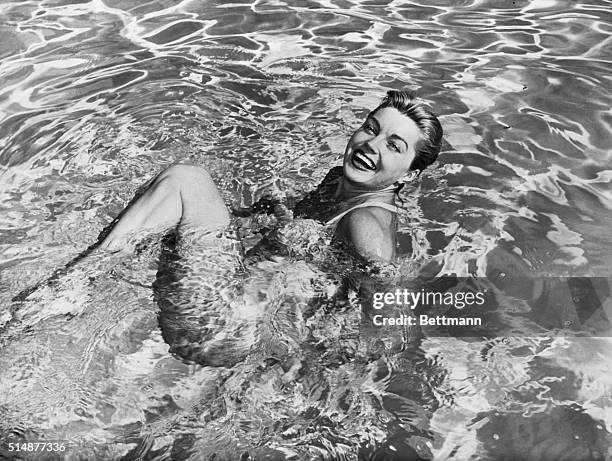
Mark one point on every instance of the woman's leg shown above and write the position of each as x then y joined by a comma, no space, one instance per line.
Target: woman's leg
181,195
198,289
199,278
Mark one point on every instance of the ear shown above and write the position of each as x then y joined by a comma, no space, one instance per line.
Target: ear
408,177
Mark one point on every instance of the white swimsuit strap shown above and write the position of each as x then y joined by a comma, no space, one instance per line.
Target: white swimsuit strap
386,206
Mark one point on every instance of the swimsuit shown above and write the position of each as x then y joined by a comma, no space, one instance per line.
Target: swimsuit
323,204
369,200
217,305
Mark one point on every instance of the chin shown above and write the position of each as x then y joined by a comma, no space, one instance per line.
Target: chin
356,176
364,180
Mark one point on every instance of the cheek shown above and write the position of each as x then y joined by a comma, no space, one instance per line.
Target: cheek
357,137
397,166
351,142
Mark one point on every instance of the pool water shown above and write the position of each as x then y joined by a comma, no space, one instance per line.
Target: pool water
96,97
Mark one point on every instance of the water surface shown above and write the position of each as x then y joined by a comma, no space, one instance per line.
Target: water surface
98,96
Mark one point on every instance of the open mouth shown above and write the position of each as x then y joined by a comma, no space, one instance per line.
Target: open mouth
362,162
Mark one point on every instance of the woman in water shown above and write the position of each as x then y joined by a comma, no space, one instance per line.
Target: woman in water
200,286
398,140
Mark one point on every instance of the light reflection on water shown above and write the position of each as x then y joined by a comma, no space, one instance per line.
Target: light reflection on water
97,97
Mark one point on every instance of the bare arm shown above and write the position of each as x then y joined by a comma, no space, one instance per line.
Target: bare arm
370,232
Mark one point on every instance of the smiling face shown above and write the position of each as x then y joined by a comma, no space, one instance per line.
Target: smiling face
381,151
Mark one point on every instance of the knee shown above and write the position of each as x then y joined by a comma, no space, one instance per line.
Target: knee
181,172
210,355
201,347
186,177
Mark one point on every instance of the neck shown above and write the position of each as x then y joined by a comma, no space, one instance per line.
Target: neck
347,191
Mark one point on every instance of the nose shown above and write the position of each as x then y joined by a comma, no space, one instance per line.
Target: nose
372,145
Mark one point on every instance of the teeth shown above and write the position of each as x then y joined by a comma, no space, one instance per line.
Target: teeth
364,158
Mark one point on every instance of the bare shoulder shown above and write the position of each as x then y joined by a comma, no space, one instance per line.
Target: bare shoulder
370,230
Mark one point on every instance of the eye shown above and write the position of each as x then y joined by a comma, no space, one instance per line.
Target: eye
368,127
394,146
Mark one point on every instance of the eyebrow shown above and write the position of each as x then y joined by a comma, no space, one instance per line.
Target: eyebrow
394,136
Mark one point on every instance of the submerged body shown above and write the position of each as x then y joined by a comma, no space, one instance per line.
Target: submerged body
206,280
209,322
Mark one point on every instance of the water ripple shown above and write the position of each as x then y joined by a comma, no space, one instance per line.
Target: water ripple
98,96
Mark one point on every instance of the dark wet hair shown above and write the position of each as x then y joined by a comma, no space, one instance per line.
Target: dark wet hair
427,149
